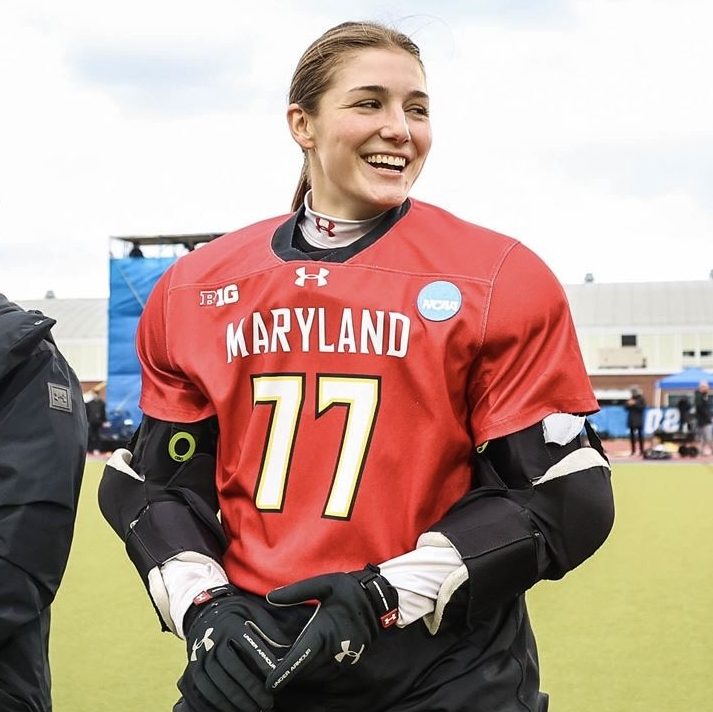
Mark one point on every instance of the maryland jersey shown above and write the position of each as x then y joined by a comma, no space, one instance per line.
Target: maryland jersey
351,391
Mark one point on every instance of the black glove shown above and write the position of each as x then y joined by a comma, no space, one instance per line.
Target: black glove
231,643
353,608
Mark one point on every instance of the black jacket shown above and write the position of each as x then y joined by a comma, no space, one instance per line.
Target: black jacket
703,408
43,435
635,408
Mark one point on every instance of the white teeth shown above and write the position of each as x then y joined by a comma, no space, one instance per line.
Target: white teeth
377,158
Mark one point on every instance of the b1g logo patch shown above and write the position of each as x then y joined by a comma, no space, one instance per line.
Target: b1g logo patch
219,297
439,301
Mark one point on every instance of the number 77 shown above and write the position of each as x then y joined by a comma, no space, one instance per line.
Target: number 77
284,393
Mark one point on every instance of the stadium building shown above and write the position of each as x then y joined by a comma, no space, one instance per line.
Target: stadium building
638,333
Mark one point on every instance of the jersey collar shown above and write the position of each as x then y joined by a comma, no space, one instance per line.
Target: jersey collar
285,240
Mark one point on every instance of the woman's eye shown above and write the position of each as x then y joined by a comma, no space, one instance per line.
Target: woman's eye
369,104
418,110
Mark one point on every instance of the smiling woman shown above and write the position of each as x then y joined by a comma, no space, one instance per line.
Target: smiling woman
316,69
359,98
367,143
385,403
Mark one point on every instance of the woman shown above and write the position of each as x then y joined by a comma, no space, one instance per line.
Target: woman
395,401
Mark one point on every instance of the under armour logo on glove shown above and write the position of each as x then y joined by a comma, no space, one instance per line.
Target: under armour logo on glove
347,653
204,642
241,641
354,608
389,619
302,276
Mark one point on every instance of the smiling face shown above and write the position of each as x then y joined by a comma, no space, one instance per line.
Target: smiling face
370,136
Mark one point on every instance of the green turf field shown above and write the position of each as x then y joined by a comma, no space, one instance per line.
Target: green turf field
631,630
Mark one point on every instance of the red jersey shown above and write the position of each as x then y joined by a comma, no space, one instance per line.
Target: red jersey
351,391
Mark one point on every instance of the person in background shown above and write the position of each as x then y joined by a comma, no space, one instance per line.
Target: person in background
684,414
704,417
387,404
96,416
43,438
635,407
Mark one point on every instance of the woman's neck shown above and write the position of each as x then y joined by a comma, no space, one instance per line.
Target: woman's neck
326,231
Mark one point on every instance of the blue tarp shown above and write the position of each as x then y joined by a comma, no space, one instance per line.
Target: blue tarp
686,379
611,421
130,282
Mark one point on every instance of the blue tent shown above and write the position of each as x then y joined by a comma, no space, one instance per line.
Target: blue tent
131,281
686,379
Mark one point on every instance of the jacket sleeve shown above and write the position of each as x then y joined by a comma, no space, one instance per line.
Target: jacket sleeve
42,454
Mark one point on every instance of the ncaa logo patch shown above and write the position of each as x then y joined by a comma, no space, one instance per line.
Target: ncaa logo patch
439,301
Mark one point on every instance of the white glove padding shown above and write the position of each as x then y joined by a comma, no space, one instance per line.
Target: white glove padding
418,576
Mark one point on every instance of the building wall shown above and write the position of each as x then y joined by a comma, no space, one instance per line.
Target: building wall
662,351
86,356
624,382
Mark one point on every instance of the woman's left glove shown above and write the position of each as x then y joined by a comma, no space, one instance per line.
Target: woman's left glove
353,608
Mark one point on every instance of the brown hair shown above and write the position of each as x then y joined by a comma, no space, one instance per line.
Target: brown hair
316,66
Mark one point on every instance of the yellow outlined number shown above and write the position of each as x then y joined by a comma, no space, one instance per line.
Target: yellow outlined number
284,392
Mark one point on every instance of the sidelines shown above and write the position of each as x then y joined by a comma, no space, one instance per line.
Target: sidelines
618,450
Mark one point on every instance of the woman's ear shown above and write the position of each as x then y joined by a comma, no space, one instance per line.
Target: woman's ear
300,126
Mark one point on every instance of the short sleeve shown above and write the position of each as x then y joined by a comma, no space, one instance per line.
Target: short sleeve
530,364
166,392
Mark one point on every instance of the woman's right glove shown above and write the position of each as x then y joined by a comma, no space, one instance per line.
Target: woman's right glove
231,645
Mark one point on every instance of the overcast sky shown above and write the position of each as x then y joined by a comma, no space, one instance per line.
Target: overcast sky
582,127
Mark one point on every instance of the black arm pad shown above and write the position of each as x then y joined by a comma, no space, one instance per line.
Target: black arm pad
520,459
157,521
511,533
166,529
499,546
575,513
161,499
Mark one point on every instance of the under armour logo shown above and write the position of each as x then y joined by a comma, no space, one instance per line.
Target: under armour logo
388,619
204,642
325,228
60,397
347,653
302,276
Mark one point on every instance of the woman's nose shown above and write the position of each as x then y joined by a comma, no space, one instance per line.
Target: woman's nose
395,127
